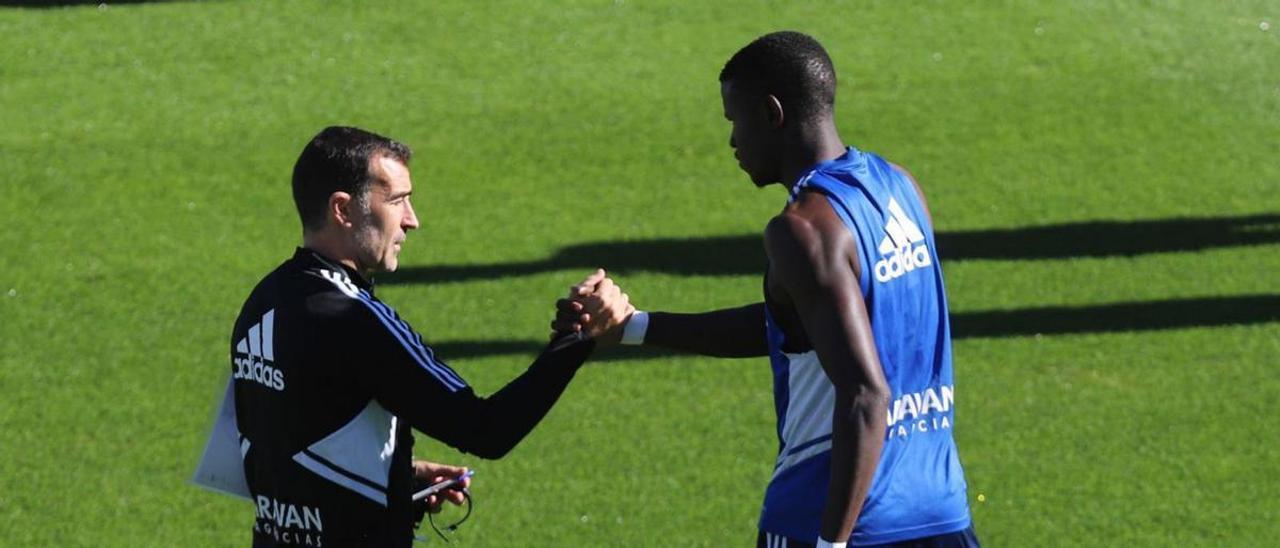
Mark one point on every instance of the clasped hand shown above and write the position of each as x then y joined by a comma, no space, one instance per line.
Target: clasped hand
596,308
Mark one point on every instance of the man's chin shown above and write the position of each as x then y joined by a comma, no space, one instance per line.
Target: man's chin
391,259
761,182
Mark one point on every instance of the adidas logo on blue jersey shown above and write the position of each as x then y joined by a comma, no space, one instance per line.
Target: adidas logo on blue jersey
899,249
255,355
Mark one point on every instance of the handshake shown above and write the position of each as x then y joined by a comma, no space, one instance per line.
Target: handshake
596,308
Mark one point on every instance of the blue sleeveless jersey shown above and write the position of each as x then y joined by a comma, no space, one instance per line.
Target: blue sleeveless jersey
919,488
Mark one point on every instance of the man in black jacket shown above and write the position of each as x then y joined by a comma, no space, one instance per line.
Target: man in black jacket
328,379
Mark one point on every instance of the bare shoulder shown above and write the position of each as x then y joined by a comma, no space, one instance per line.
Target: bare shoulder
790,227
804,222
808,233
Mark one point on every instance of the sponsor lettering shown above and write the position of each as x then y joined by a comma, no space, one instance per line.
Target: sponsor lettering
294,524
920,412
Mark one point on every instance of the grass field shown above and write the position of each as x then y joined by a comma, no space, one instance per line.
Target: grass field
1105,179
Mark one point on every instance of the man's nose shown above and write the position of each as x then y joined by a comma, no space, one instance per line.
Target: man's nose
410,219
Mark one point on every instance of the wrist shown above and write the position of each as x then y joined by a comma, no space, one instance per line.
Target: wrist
824,543
637,326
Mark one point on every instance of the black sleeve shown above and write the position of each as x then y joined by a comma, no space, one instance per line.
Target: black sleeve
405,377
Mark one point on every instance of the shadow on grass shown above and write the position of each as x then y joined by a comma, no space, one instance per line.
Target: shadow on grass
1052,320
62,3
1116,317
743,255
1110,238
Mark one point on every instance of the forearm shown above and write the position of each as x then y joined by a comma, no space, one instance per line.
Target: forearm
858,426
499,422
729,333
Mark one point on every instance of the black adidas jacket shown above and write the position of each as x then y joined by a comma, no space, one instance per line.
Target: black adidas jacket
328,380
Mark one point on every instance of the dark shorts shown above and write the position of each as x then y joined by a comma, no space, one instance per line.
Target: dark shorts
958,539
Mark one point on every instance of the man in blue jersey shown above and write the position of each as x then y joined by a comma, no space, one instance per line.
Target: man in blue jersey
854,321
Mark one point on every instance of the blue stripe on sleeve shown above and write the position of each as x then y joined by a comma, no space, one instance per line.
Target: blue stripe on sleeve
412,339
414,351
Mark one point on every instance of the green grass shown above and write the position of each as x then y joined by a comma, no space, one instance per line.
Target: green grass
144,160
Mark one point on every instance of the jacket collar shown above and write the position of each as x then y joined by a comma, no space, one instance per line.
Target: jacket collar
314,258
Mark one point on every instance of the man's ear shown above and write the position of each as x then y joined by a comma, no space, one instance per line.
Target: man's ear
339,209
773,109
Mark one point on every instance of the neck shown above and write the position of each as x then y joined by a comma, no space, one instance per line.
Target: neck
331,248
811,145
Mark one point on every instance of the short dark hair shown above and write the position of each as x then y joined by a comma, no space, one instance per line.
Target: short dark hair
338,159
791,66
